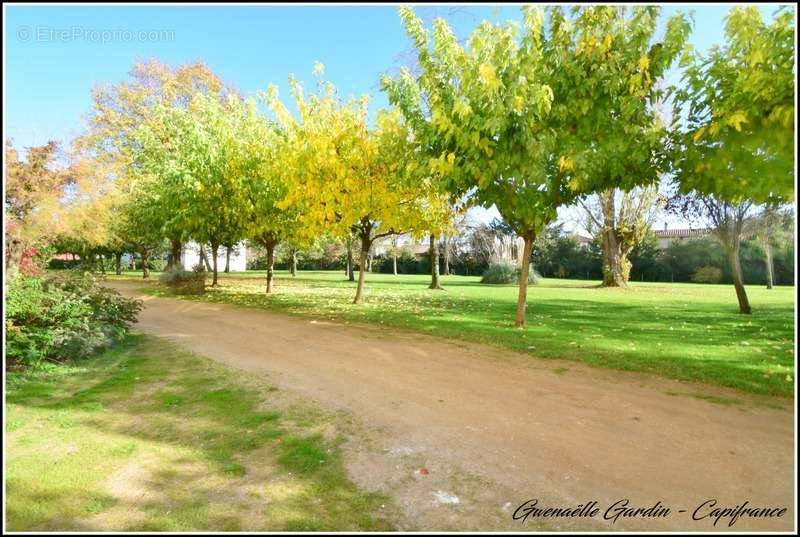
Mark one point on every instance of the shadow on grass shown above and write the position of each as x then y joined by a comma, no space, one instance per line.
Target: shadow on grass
219,435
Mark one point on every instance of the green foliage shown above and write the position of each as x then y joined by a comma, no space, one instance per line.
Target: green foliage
188,157
506,273
738,140
67,316
531,118
558,254
59,264
707,274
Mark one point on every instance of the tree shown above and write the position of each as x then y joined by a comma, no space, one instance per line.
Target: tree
530,122
191,155
88,214
346,178
559,254
261,156
737,136
728,221
438,217
119,111
33,191
767,225
648,260
620,221
394,251
139,222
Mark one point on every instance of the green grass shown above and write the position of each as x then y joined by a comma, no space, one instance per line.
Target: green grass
682,331
147,437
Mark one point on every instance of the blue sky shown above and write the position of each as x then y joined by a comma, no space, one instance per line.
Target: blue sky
48,78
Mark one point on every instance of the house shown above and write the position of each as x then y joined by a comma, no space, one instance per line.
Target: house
418,248
665,236
190,257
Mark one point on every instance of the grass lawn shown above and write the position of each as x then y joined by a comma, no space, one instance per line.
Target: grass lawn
682,331
151,438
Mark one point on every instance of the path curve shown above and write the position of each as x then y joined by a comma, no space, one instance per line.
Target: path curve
535,430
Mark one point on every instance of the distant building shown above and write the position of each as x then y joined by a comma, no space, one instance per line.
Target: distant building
405,241
665,236
190,257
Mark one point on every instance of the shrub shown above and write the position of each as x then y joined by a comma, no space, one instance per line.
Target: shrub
185,282
707,274
506,273
60,264
62,317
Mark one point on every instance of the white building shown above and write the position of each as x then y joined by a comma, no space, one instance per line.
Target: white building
190,257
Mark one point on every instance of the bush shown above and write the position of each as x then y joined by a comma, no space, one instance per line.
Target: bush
67,316
506,273
185,282
59,264
707,274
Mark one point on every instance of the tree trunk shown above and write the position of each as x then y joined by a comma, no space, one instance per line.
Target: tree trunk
446,257
369,262
102,264
350,275
434,255
738,279
770,264
118,263
270,247
214,250
145,268
293,266
204,258
174,254
15,250
616,267
394,255
227,259
365,246
522,299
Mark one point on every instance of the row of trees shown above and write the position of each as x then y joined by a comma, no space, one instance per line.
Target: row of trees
535,119
525,117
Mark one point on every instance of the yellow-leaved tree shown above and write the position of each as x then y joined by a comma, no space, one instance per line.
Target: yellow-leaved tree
343,176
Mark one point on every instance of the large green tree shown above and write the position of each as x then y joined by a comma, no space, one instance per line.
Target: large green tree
735,142
531,118
192,177
120,110
736,108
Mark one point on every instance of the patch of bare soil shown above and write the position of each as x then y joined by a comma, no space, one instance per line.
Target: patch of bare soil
460,435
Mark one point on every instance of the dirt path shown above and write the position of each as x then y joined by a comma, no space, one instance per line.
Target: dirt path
494,428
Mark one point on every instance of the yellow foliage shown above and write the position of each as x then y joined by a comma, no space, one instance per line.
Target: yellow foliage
488,76
565,164
736,119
